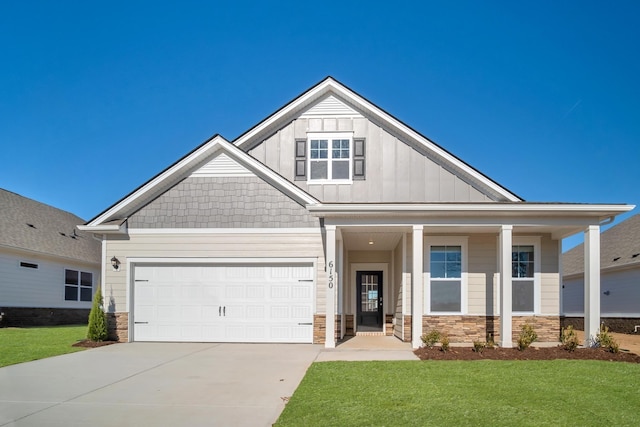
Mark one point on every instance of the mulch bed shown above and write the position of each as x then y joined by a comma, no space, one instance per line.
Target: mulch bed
531,353
92,344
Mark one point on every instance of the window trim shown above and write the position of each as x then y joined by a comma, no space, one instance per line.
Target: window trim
463,242
329,136
78,286
534,241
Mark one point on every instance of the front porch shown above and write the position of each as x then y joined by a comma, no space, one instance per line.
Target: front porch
371,288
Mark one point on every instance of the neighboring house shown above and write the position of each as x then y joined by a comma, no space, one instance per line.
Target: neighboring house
48,270
619,278
310,227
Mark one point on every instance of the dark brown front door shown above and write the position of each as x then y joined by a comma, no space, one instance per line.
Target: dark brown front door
369,291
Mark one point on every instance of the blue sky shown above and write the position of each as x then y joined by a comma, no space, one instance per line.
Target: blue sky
96,98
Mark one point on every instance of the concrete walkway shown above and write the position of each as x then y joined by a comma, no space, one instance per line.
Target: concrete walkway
369,348
168,384
630,342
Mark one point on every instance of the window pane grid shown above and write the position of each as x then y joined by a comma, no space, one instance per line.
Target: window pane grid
330,161
78,285
446,262
522,261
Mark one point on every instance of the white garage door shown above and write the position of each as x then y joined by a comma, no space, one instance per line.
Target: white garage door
223,303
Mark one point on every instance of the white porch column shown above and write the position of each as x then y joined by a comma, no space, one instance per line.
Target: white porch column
417,286
591,281
506,238
330,260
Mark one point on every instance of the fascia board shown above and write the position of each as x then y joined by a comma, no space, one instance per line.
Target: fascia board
268,174
104,228
494,208
206,149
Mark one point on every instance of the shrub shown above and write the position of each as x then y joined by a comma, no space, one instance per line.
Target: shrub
97,330
527,336
444,342
569,339
606,341
479,346
430,339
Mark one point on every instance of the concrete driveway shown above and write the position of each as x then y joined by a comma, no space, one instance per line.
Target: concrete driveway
159,384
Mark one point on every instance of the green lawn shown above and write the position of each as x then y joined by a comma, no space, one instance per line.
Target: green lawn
19,345
478,393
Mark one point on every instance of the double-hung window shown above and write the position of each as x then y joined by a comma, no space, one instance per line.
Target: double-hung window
78,285
525,275
447,271
330,157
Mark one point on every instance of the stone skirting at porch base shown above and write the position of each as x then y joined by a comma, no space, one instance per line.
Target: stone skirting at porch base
623,325
407,328
466,329
118,326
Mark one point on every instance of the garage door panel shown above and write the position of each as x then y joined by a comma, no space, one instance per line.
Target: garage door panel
225,303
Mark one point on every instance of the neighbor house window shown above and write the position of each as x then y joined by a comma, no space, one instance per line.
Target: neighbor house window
330,157
524,265
78,285
446,277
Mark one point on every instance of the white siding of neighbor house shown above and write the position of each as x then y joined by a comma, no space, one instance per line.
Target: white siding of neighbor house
42,287
209,246
395,172
623,299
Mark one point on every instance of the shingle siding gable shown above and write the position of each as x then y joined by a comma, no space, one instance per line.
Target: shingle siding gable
222,202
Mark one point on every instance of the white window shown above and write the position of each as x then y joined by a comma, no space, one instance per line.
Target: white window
447,275
525,275
330,157
78,285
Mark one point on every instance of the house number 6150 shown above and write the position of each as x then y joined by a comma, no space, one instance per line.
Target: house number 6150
330,274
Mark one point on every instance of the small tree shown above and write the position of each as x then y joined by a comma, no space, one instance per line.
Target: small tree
97,320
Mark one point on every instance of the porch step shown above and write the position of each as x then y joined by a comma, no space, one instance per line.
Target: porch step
370,334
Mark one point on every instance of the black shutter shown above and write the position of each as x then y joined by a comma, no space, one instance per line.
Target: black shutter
300,172
359,168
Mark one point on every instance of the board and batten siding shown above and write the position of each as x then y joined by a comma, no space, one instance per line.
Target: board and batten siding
42,287
395,171
209,246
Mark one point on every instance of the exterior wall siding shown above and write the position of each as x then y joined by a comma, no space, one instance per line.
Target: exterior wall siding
396,172
623,289
42,287
222,202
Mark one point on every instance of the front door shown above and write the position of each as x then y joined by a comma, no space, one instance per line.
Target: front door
369,291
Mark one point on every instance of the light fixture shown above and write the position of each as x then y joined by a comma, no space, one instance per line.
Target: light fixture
370,241
115,263
607,292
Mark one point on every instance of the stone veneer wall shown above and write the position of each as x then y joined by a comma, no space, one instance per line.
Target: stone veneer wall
319,328
407,328
22,316
466,329
623,325
348,319
388,325
118,326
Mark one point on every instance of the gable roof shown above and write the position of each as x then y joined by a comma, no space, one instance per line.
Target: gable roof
111,220
35,227
618,245
333,91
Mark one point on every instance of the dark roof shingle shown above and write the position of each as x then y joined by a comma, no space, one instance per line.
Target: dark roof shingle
618,245
33,226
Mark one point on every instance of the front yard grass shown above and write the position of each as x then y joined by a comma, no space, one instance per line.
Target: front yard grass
19,345
477,393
